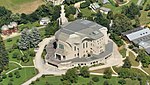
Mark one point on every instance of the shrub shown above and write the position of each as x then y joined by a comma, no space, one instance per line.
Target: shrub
10,75
9,40
95,79
122,82
4,76
1,79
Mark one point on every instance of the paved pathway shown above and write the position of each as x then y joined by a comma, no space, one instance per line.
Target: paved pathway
139,2
43,68
102,74
135,54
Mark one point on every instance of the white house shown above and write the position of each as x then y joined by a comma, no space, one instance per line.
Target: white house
44,21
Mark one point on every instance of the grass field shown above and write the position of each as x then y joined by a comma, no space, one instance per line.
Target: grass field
55,80
25,73
132,59
21,6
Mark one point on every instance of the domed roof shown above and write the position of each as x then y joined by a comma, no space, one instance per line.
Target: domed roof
45,19
4,27
14,24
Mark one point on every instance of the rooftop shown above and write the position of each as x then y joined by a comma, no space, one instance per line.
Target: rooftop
82,28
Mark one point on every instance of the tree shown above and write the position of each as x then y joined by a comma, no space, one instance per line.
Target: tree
137,22
121,24
35,38
95,79
147,7
10,75
71,75
131,11
100,19
3,56
124,73
106,82
110,15
90,83
84,71
122,82
4,16
80,15
51,28
116,39
70,10
16,17
56,13
148,14
85,4
107,73
71,17
24,41
127,63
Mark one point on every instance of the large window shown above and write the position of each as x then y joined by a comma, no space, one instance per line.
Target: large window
83,45
86,44
74,48
61,46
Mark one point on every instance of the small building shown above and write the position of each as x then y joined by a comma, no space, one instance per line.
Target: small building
44,21
104,10
105,1
5,30
9,29
94,6
139,36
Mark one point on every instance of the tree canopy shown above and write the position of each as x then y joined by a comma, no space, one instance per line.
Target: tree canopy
3,56
131,11
121,24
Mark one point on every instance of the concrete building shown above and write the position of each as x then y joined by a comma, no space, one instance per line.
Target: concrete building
104,10
79,43
44,21
139,36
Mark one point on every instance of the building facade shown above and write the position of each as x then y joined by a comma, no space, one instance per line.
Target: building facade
80,43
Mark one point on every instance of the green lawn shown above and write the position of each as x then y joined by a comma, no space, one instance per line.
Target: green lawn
132,59
123,52
55,80
11,67
144,19
26,73
8,45
147,69
87,12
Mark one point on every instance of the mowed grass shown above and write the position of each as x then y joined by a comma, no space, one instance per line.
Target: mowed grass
87,12
21,6
132,59
144,19
55,80
147,69
25,73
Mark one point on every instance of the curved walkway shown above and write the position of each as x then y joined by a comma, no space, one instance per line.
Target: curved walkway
135,54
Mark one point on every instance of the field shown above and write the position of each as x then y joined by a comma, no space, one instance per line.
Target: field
21,6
